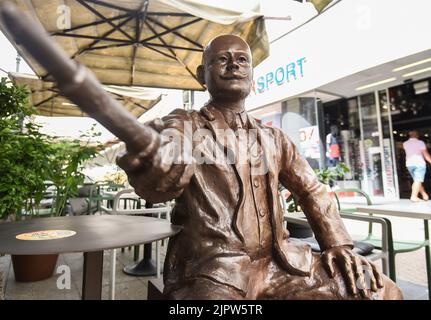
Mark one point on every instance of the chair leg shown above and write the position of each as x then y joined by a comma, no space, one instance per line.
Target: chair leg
136,253
385,266
113,265
428,257
158,258
391,254
392,269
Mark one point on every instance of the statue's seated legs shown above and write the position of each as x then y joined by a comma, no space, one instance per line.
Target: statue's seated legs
269,281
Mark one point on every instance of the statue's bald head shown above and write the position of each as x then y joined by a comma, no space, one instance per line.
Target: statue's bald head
226,69
224,41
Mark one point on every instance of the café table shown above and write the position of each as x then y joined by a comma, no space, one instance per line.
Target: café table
406,209
88,234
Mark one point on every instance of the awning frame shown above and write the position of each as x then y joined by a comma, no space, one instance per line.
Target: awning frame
142,17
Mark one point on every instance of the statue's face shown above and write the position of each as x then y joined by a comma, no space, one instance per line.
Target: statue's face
228,68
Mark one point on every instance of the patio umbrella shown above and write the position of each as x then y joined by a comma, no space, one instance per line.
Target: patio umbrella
47,99
152,43
320,4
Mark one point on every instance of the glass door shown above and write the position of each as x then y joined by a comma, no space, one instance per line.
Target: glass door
371,148
390,177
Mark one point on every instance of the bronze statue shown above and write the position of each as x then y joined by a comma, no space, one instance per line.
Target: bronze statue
234,245
223,168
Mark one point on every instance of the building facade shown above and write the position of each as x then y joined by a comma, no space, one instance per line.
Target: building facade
347,87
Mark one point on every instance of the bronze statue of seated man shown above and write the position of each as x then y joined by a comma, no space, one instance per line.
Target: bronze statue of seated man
233,244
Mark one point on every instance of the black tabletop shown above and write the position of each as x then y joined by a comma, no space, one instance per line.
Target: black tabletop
93,233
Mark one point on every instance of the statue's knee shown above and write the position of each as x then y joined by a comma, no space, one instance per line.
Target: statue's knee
390,290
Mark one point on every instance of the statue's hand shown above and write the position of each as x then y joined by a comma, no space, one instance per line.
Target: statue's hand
159,176
352,269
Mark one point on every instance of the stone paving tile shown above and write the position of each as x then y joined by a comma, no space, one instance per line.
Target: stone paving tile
131,290
412,291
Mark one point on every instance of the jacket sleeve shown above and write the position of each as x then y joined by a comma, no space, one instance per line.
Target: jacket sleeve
321,212
169,170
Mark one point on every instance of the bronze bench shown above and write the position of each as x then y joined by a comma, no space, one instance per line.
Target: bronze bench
155,289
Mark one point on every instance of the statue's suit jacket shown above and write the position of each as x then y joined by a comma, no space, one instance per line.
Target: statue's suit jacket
209,202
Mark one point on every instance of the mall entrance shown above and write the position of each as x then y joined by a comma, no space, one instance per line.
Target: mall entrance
365,142
410,109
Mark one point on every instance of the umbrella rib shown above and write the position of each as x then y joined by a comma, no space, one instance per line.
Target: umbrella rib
93,43
91,24
103,36
97,13
43,90
168,46
172,51
109,46
173,30
138,31
47,99
159,51
128,99
170,14
83,36
110,5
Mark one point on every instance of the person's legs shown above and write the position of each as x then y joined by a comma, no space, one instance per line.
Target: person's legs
282,285
423,193
418,175
416,186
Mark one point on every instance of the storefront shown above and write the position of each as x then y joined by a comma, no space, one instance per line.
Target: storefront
348,93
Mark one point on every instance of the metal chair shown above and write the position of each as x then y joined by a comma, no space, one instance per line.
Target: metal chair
372,255
394,246
369,253
116,209
46,207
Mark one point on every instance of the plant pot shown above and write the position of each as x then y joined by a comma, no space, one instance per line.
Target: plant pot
28,268
299,231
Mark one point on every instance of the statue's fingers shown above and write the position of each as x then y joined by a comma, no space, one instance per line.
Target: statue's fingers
359,275
328,264
377,275
136,180
185,177
371,276
346,268
170,179
129,162
157,124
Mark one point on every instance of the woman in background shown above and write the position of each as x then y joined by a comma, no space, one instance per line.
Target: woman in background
416,154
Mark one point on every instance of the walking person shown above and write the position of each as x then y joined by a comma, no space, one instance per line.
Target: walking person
416,154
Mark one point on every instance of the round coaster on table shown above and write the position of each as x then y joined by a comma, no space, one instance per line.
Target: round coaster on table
46,235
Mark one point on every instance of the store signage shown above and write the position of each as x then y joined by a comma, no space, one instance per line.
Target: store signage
282,74
388,176
310,142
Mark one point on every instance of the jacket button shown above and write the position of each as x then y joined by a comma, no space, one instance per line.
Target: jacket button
262,212
256,183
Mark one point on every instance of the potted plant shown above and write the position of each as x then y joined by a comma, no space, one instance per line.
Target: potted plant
27,160
330,175
23,157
